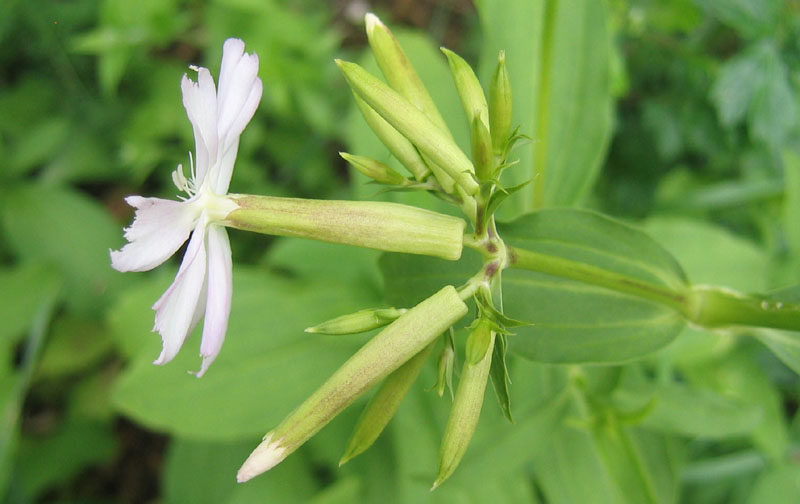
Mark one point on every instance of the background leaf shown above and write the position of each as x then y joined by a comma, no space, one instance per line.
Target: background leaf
576,322
557,54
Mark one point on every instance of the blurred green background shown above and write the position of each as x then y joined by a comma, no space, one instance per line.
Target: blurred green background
694,136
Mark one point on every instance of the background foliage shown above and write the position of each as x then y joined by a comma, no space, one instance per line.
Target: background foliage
679,116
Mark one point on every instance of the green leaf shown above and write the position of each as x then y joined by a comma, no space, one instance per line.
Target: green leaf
62,227
643,465
710,254
569,456
499,374
408,279
577,322
73,346
24,287
266,367
751,18
773,115
756,84
55,459
684,410
14,386
130,318
500,450
776,484
312,259
344,491
737,82
40,144
739,376
557,54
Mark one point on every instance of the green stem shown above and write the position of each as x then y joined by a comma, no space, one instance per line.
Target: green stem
566,268
717,307
705,306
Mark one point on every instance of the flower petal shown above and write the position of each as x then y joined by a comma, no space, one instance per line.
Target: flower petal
159,228
218,301
230,142
176,308
232,53
237,80
200,101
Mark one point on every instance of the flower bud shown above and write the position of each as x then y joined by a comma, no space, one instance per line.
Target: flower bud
445,368
500,105
374,169
398,145
402,77
467,406
482,156
358,322
399,71
412,123
384,226
469,88
383,405
387,351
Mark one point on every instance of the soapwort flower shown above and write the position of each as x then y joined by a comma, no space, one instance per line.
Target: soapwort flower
203,284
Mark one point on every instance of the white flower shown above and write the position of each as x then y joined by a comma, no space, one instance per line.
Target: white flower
160,227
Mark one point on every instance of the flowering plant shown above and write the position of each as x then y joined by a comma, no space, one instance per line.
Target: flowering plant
626,296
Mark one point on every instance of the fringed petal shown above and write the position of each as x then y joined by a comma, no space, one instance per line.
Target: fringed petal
218,300
229,142
238,79
176,308
159,228
200,101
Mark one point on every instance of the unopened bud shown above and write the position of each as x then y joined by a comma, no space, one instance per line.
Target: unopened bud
467,405
358,322
400,146
469,88
500,105
412,123
379,225
383,405
445,369
402,77
482,156
375,170
399,71
383,354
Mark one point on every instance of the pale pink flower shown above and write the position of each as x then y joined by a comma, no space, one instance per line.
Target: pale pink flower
204,283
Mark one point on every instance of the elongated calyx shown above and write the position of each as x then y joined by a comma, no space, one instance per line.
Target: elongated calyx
387,351
468,402
383,226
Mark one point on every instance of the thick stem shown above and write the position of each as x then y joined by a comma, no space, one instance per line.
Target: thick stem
565,268
716,307
705,306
